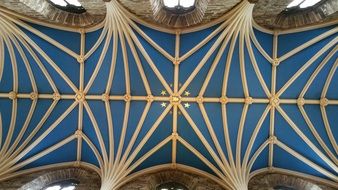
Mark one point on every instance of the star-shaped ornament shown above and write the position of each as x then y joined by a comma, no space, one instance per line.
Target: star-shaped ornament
163,105
163,92
186,93
187,105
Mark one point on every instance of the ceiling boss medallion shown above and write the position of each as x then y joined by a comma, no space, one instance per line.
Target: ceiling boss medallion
175,99
179,13
80,96
274,101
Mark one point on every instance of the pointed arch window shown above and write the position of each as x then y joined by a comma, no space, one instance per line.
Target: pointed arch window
302,4
63,185
179,6
171,186
72,6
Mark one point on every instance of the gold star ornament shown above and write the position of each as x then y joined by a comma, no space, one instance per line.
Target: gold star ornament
163,93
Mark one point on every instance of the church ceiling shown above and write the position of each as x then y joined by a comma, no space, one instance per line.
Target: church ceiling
227,101
270,14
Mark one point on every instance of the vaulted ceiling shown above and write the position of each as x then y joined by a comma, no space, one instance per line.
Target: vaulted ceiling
227,100
267,13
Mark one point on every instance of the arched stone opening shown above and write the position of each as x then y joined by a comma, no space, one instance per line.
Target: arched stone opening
152,181
87,180
44,11
276,181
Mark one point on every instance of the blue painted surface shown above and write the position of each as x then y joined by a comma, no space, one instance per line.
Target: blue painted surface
64,154
284,160
70,40
287,42
290,66
69,125
191,159
261,161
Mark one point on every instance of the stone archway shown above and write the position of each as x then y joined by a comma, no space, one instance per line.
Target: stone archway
152,180
88,180
275,181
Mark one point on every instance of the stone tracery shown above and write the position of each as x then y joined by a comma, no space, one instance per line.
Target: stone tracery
231,171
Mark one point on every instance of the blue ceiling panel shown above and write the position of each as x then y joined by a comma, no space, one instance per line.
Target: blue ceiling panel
235,85
70,40
286,72
161,156
315,115
184,154
253,116
6,82
188,65
63,154
91,64
265,40
289,137
284,160
261,161
164,40
254,86
332,92
87,155
331,112
163,64
154,113
141,119
190,40
188,158
287,42
265,67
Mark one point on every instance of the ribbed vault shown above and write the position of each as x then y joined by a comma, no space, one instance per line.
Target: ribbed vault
227,100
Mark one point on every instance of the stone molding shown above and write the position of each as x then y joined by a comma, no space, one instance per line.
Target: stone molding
267,13
272,14
168,18
299,18
44,11
89,180
57,15
153,180
270,181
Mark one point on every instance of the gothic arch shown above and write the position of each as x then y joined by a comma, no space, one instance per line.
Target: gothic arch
88,180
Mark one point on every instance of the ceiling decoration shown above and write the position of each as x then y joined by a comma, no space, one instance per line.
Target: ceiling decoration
297,17
210,10
177,17
93,98
44,11
87,179
73,6
282,181
272,14
164,178
267,13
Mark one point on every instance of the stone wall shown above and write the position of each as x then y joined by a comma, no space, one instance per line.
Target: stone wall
215,9
43,10
89,180
271,181
266,12
153,180
271,14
